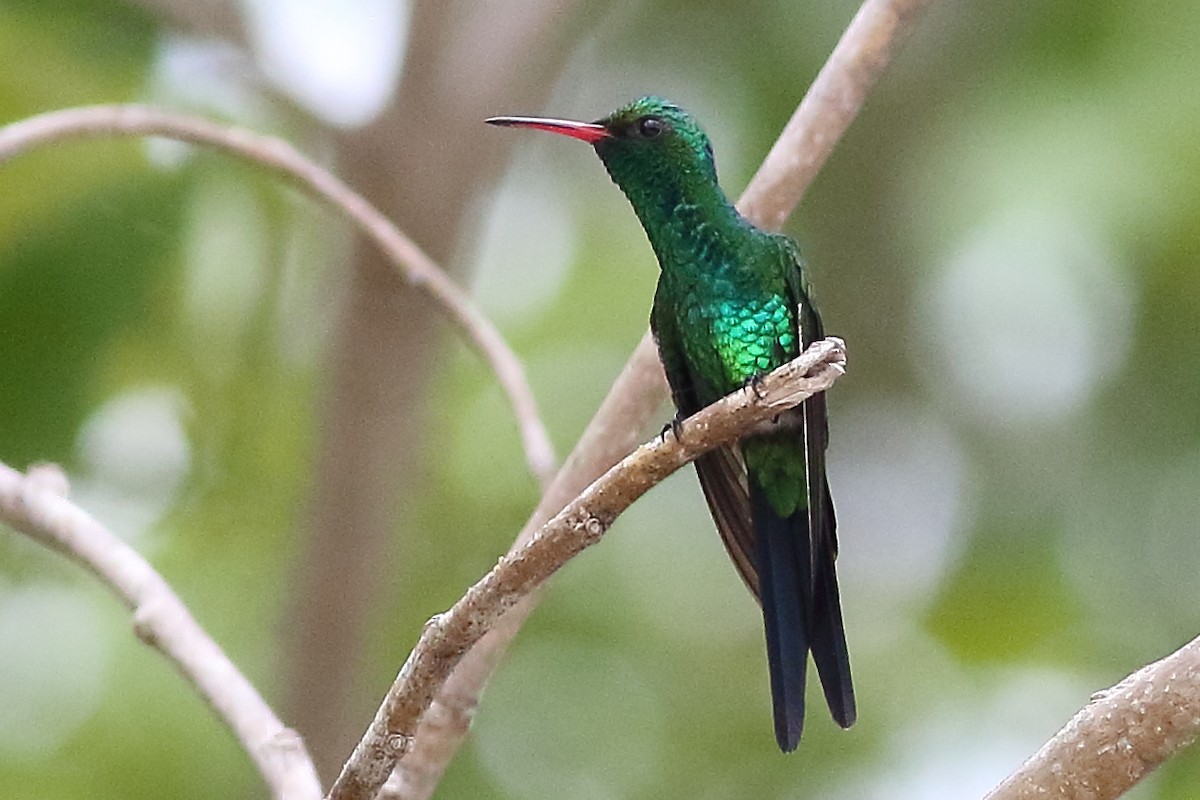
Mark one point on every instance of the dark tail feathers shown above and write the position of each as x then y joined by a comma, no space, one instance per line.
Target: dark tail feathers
782,571
801,611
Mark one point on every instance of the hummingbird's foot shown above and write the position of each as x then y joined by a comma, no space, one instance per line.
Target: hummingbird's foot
755,383
675,426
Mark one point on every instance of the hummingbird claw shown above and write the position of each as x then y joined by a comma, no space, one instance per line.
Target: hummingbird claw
675,426
755,383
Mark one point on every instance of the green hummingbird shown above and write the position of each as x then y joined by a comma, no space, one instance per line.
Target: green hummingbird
732,304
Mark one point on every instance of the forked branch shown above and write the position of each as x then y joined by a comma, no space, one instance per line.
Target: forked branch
447,637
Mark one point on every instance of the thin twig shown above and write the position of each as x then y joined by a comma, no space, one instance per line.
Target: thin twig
828,108
273,153
581,523
35,504
1119,737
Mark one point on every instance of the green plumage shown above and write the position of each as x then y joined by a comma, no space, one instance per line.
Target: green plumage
727,301
732,304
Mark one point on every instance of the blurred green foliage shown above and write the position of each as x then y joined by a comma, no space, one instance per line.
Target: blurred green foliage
66,310
1007,238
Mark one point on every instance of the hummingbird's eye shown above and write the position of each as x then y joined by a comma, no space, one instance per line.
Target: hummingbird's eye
649,127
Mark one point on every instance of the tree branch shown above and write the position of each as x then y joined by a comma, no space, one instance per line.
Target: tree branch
275,154
833,100
1119,737
447,637
36,505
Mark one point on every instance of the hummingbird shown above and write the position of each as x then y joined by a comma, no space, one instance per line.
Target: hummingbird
732,304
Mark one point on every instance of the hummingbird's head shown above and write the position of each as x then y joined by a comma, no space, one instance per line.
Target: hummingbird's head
653,149
652,140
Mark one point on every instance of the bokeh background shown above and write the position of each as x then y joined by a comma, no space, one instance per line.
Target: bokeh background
1008,239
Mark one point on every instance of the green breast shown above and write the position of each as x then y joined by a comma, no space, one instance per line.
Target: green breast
729,335
752,336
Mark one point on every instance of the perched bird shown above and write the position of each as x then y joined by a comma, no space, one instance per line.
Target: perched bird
732,304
